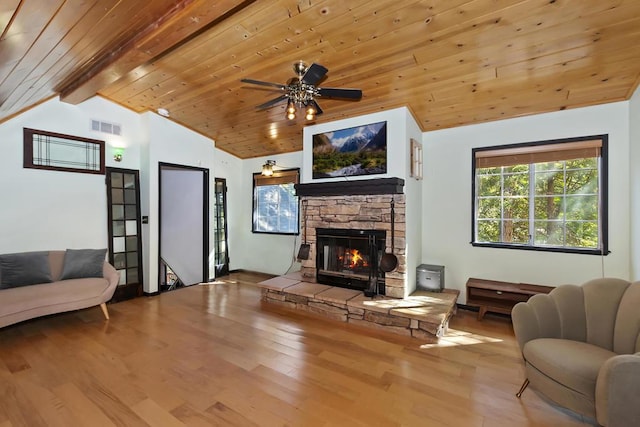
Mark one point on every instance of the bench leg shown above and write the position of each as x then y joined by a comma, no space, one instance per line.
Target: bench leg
524,385
103,306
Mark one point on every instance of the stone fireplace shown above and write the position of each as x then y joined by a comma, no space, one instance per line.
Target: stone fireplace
339,221
357,206
361,206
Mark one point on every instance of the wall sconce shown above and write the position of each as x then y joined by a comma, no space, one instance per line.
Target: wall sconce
267,168
117,154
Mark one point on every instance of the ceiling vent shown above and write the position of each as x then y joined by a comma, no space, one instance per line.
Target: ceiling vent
106,127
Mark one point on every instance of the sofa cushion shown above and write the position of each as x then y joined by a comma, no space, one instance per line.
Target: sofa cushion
573,364
21,269
82,263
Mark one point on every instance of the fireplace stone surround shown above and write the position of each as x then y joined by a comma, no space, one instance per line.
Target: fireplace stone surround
361,205
356,205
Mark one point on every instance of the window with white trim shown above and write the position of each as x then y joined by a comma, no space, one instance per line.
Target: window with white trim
548,195
275,203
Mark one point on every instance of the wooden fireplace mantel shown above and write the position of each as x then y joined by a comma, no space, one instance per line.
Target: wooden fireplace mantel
353,187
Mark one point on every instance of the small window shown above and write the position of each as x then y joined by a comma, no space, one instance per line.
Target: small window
549,195
275,204
54,151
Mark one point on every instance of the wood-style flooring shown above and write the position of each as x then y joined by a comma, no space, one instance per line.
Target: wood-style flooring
216,354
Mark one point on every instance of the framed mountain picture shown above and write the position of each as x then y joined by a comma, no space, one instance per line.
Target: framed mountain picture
360,150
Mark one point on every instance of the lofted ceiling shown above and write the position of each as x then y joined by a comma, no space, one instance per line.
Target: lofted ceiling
451,62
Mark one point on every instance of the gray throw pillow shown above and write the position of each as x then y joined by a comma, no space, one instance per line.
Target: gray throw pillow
22,269
81,263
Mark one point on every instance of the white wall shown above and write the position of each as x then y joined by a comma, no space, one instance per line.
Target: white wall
231,169
634,178
447,200
414,205
170,143
55,210
44,210
267,253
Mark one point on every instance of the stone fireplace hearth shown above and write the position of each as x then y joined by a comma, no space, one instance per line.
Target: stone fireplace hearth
361,205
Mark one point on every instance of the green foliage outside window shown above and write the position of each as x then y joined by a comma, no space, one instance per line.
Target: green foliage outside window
552,204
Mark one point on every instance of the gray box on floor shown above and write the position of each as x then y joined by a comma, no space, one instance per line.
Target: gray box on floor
430,278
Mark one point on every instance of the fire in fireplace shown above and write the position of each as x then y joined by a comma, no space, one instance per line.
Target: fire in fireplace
350,258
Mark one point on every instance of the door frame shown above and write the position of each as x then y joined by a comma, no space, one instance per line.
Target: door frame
225,270
205,216
125,291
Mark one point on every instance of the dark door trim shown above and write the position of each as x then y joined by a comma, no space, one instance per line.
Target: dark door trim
125,290
221,269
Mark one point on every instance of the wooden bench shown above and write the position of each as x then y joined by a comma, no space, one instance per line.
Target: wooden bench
499,297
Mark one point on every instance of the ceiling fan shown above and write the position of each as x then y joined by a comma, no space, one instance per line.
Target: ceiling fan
301,91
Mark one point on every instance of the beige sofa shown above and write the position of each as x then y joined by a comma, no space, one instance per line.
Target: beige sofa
34,300
581,347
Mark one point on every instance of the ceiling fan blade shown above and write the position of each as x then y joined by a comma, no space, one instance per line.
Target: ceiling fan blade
272,102
261,83
330,92
315,105
314,74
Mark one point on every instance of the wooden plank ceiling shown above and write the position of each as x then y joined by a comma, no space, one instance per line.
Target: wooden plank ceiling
451,62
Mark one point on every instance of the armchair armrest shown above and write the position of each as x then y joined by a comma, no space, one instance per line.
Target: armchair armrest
618,391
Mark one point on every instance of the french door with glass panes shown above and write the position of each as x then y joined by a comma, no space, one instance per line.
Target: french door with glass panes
220,231
125,243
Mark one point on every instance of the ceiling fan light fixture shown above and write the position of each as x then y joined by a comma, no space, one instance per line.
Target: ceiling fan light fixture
311,112
291,107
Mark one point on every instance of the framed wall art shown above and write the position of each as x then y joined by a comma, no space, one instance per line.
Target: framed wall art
359,150
416,159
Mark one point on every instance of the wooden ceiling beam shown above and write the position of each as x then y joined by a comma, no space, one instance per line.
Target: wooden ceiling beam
180,23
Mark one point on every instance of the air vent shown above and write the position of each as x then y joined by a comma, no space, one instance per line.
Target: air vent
106,127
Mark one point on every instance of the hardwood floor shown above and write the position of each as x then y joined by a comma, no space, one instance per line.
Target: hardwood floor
216,355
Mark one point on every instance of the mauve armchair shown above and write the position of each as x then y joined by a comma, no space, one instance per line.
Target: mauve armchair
581,348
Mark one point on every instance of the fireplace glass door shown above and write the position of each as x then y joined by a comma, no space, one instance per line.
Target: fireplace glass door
349,258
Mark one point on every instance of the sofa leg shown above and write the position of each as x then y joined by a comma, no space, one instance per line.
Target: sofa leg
524,385
103,306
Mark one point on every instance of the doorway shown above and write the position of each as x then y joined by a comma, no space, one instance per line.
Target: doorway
221,251
184,223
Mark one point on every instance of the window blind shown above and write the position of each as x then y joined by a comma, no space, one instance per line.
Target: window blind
278,177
